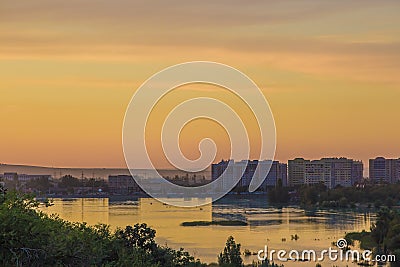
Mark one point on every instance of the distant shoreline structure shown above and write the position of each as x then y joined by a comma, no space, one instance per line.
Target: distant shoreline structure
104,173
298,171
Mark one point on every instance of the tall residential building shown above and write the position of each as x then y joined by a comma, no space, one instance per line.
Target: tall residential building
278,171
357,172
296,171
318,171
247,169
383,170
329,171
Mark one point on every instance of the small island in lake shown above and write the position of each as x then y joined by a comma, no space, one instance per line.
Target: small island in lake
220,223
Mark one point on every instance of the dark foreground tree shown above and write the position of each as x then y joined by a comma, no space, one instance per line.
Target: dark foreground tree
231,256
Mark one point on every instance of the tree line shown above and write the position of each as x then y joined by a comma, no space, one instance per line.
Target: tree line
339,197
29,237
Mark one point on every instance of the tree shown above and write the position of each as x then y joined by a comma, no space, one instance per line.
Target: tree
278,194
231,256
139,236
2,194
380,229
41,184
69,181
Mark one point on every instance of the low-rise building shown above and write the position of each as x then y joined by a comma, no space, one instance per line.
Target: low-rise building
123,184
13,176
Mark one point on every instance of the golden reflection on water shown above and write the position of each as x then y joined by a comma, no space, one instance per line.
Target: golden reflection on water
267,226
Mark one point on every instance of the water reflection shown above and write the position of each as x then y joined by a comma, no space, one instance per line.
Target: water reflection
266,225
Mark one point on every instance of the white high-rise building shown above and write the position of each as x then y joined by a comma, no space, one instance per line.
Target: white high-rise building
331,172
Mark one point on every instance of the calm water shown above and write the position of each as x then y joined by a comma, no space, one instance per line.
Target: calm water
267,225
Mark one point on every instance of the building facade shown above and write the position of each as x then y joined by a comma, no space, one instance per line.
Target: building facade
331,172
13,176
271,172
318,171
296,171
277,175
382,170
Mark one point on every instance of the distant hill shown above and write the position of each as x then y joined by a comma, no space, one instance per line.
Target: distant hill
86,172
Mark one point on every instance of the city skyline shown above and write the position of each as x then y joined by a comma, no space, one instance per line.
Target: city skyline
385,167
333,173
329,71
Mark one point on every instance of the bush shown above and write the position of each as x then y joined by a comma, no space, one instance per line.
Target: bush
32,238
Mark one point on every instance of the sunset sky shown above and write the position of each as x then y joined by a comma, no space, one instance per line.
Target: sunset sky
329,70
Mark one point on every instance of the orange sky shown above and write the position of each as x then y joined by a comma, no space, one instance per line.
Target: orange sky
329,69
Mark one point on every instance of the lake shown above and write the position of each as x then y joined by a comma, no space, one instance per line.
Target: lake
267,225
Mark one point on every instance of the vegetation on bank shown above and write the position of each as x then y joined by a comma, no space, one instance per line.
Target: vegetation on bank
384,237
31,238
370,195
231,257
67,183
220,223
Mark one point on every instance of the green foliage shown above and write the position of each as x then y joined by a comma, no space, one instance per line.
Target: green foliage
69,181
231,256
279,194
310,194
368,194
40,184
2,194
384,237
380,229
138,236
365,238
386,231
31,238
340,197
